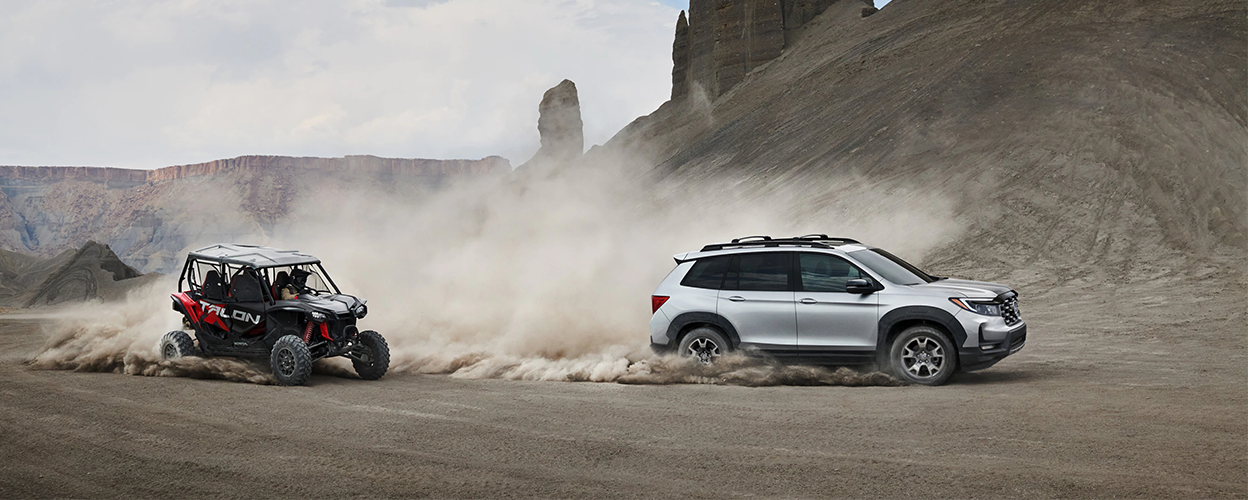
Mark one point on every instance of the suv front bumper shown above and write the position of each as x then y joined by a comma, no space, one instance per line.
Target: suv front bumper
977,358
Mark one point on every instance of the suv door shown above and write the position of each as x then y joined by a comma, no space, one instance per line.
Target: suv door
757,299
828,317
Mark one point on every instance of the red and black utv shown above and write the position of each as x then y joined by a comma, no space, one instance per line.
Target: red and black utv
257,302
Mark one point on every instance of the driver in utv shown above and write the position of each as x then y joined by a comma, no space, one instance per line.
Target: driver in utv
280,305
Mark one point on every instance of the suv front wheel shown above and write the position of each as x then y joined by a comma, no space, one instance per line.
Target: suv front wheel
922,355
703,343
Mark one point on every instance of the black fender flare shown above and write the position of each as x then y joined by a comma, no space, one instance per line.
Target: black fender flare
683,320
927,314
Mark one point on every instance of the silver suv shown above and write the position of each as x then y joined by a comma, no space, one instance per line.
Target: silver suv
815,299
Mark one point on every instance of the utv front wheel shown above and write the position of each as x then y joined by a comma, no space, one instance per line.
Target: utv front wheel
372,358
291,360
922,355
176,345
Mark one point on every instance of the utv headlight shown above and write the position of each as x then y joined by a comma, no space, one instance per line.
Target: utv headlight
318,316
985,308
361,311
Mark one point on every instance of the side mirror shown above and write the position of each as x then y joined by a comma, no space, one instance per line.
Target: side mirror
862,285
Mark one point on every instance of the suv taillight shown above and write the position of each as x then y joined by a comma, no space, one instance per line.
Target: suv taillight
656,301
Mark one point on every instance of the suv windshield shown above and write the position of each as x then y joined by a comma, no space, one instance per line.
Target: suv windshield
891,267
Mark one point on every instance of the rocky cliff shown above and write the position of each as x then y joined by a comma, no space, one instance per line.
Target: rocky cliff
149,216
721,41
1087,138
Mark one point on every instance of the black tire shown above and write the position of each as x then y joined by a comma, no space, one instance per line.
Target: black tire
291,361
176,345
372,358
922,355
704,343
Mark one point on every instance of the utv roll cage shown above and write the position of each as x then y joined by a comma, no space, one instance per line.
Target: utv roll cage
259,259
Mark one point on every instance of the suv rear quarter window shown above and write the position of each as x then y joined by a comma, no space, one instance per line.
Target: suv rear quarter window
762,272
706,273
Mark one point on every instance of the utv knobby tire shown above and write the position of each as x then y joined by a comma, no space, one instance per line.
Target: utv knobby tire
291,361
176,345
375,353
705,344
922,355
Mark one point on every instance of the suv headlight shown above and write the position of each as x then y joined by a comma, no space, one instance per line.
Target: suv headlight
985,308
318,316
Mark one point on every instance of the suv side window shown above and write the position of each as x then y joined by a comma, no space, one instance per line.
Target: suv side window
763,272
707,273
826,273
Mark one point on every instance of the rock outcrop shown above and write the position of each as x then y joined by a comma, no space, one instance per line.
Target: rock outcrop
721,41
560,126
92,272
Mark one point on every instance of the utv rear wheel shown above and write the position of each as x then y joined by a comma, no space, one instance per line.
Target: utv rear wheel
372,358
291,361
922,355
705,344
176,345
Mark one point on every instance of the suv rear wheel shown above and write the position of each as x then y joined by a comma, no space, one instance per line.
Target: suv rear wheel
922,355
703,343
291,361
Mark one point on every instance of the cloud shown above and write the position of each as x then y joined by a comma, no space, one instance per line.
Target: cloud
148,84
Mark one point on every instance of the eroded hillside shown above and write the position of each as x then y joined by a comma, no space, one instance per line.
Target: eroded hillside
1068,135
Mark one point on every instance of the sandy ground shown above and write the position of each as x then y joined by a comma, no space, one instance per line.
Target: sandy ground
1144,398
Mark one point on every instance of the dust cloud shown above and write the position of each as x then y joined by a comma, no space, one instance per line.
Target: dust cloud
124,337
538,275
545,275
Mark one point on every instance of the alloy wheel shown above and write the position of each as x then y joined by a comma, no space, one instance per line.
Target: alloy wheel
923,357
706,350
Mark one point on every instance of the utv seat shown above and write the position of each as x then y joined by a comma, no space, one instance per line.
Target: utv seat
246,288
214,288
282,280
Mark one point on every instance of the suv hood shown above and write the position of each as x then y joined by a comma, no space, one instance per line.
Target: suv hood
965,288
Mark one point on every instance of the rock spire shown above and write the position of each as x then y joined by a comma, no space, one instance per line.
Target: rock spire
560,126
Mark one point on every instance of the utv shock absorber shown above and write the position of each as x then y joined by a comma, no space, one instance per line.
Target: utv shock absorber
307,333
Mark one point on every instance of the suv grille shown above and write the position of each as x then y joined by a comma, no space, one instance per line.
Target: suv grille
1009,311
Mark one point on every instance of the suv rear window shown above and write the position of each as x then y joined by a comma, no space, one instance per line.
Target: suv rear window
763,272
706,273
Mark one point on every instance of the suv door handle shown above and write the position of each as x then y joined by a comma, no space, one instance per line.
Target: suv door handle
809,301
736,298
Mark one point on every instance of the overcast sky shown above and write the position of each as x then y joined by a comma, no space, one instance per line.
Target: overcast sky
146,84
